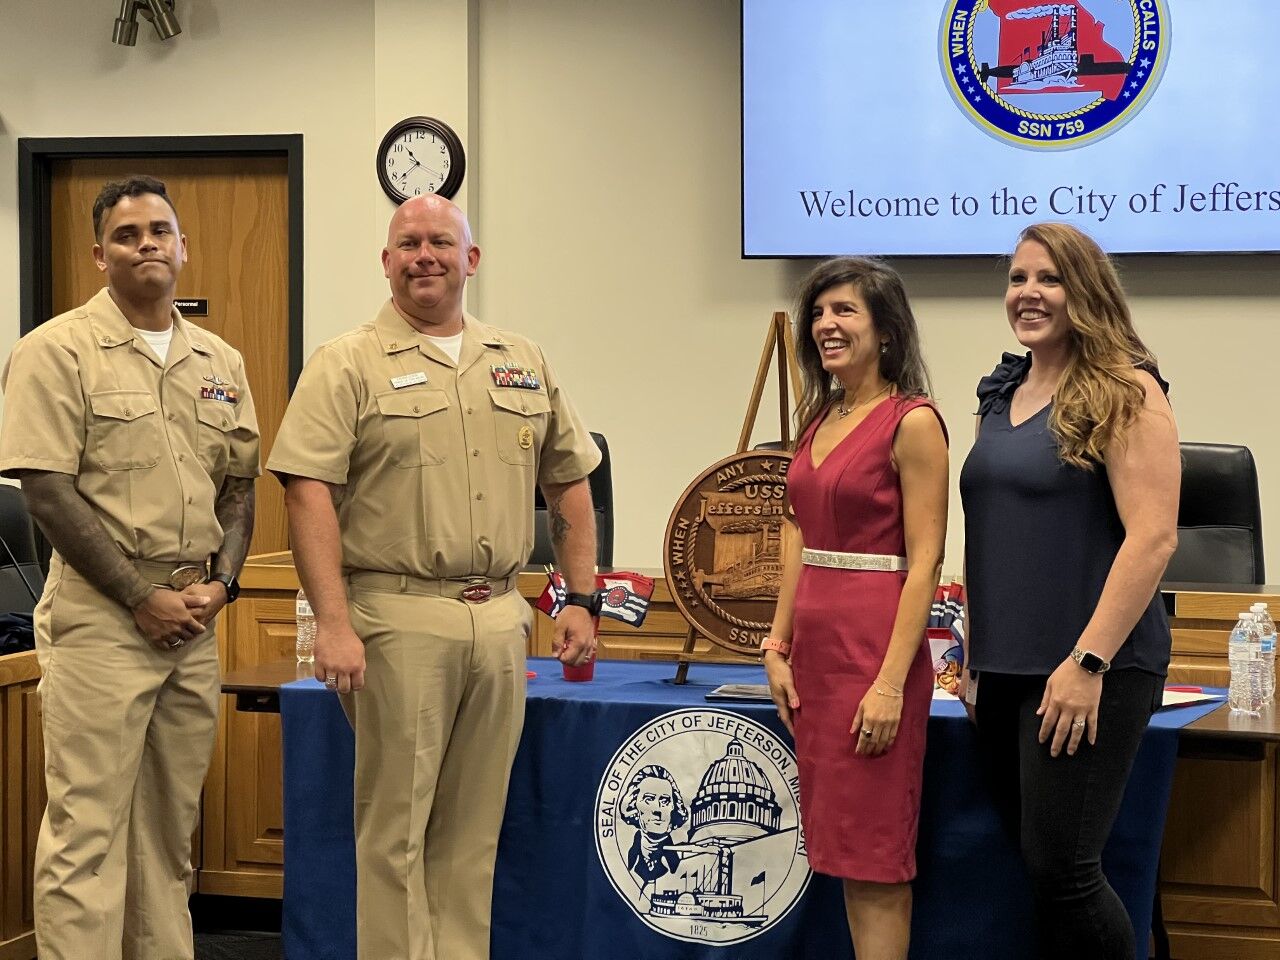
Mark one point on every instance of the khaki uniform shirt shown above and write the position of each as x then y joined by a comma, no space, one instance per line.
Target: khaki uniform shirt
148,443
439,460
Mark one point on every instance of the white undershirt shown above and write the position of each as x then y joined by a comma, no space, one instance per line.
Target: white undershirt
158,340
452,346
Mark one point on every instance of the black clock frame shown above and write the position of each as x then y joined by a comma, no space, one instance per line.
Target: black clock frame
453,144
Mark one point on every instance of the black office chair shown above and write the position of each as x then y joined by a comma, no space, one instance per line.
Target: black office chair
601,483
1219,517
18,558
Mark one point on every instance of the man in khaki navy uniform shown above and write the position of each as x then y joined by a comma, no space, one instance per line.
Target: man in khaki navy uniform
410,451
133,434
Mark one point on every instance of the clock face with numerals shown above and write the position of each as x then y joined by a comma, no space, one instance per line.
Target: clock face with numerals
418,156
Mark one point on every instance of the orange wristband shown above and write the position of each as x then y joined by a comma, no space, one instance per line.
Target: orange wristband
770,643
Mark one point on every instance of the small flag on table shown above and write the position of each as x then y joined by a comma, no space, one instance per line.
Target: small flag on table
946,636
624,595
552,600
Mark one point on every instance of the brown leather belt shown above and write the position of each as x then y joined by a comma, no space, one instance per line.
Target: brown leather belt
171,574
470,589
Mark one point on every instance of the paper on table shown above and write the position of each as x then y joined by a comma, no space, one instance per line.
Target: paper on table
1181,698
741,692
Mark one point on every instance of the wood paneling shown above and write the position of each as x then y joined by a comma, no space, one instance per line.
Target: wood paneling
244,839
234,213
1220,864
22,800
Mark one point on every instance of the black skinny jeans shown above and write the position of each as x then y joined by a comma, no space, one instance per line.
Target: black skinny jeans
1060,809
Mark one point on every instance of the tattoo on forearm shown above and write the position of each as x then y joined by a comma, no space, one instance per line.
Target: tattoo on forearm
76,532
235,510
559,524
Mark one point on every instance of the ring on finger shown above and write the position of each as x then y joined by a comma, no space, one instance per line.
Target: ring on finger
868,732
1078,723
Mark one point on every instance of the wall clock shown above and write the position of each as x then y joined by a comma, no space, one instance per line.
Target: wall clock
418,156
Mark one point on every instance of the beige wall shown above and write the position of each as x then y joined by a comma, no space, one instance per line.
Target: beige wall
603,153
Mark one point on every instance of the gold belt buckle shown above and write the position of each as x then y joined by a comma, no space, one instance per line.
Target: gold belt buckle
477,590
185,576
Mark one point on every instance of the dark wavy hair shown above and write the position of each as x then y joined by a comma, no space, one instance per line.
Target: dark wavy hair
902,363
1099,396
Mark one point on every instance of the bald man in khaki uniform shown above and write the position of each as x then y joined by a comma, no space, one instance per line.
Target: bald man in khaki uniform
133,434
410,451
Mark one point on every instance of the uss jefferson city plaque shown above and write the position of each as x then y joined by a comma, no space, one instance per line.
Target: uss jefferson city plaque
723,548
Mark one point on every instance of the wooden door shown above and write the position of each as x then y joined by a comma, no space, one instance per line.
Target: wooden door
234,212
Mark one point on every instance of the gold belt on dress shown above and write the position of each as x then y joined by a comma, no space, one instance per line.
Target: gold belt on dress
853,561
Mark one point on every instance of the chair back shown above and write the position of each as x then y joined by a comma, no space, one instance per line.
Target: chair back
601,482
1219,517
18,535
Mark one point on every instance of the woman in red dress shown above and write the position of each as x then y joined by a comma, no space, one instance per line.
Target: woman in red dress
847,665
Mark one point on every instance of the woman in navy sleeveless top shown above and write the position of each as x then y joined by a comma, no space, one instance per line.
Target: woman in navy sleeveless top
868,486
1070,498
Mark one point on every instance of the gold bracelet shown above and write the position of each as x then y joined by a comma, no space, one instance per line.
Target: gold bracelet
895,696
892,686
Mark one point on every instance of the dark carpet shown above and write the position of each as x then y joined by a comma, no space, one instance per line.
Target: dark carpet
238,946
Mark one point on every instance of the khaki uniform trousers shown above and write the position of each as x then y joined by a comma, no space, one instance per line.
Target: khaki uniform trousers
128,735
436,729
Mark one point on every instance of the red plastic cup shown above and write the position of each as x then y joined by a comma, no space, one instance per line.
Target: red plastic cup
587,670
579,674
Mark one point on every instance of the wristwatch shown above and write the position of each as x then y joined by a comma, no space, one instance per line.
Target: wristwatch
228,581
591,601
1090,661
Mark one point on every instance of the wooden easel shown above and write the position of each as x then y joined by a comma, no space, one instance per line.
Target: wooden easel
778,342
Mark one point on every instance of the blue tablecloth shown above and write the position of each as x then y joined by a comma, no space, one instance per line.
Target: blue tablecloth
563,888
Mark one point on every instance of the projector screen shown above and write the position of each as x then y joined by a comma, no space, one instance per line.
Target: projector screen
942,127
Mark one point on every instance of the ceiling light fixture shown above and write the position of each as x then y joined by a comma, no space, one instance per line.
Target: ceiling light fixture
159,12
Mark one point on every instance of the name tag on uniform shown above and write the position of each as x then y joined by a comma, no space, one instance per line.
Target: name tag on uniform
523,377
408,380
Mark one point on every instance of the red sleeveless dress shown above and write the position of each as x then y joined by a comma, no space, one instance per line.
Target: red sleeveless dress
860,814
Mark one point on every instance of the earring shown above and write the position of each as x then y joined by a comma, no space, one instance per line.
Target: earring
884,348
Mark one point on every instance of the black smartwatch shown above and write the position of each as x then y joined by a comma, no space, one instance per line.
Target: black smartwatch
1090,661
591,601
228,581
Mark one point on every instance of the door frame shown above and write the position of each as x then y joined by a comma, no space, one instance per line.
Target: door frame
36,157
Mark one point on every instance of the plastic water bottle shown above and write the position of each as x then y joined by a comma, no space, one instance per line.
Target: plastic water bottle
1244,654
306,643
1267,628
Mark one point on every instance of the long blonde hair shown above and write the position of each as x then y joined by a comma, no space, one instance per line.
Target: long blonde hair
901,362
1099,396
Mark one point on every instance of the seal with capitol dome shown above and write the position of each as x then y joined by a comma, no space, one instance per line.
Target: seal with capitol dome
698,828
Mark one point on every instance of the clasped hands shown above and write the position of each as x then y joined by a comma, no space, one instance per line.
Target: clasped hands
168,619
